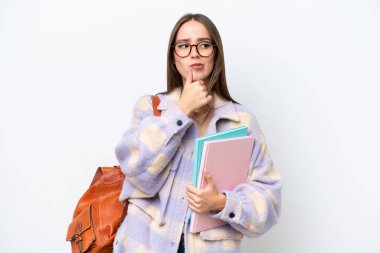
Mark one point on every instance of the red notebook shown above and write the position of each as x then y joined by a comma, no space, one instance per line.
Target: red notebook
227,161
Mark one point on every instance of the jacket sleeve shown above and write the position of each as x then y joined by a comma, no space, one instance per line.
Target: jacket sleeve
148,146
254,207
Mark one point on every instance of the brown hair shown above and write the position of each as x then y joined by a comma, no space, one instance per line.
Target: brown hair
218,82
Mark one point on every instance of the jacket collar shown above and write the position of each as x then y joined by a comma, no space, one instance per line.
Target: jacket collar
223,109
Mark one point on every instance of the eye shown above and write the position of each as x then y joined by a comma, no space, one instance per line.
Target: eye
182,45
205,45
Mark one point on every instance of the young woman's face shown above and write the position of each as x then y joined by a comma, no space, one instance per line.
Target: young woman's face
194,32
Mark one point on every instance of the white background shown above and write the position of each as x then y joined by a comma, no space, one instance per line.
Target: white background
70,72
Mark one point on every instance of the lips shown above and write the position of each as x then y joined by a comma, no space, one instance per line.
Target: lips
197,66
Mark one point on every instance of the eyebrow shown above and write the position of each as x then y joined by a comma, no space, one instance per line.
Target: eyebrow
199,39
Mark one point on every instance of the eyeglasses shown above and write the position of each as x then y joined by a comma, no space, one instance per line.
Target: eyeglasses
183,49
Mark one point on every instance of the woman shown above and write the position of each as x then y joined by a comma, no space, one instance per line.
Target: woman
156,155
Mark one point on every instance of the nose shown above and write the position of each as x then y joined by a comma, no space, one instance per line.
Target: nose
194,52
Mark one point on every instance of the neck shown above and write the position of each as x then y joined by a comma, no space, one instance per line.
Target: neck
202,115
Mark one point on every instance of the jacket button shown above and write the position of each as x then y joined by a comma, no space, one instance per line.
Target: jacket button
179,122
231,215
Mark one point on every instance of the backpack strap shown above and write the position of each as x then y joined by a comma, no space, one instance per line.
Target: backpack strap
156,102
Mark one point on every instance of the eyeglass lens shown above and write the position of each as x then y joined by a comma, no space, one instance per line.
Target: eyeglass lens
183,49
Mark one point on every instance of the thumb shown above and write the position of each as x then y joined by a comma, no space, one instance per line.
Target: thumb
189,78
209,180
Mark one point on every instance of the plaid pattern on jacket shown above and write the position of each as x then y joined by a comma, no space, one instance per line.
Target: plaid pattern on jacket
156,155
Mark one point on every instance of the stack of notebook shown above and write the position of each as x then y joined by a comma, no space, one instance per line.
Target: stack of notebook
225,156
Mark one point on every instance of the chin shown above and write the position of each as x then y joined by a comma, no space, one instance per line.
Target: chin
199,77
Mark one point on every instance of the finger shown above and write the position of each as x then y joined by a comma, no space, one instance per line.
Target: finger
198,82
194,206
204,93
193,189
195,198
209,98
191,201
189,78
194,209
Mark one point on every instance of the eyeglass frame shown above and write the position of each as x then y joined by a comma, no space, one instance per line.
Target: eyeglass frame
191,48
